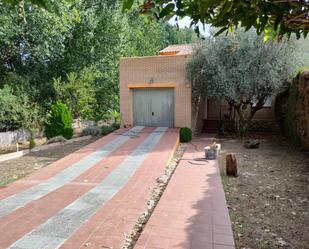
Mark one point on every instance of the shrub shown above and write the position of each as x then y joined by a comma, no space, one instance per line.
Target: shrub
105,129
17,111
115,126
78,91
185,134
93,131
59,122
31,143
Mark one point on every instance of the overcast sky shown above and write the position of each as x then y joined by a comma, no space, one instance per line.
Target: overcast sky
185,22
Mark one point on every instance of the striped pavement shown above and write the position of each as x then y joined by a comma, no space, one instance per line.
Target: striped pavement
52,212
22,198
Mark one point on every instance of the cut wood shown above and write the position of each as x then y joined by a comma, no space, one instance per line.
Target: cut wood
231,165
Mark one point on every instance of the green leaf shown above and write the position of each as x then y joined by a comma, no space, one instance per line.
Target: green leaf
167,10
221,31
127,4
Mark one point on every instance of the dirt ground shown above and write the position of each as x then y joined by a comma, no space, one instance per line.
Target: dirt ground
269,200
21,146
14,169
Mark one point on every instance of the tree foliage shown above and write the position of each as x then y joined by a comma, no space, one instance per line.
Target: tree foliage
49,49
17,112
275,18
78,92
241,69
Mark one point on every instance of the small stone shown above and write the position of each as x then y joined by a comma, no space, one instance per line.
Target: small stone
252,144
281,242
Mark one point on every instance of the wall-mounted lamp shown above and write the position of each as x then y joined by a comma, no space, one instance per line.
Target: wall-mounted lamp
151,80
188,85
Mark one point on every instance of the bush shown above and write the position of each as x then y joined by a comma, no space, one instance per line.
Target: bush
78,91
185,134
93,131
31,143
105,129
115,126
17,111
59,122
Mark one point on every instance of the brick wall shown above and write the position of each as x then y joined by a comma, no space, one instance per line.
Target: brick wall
164,70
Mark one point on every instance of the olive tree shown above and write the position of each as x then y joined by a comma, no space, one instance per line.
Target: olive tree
275,18
241,69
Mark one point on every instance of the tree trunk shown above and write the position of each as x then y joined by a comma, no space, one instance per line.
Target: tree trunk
244,122
198,122
243,127
241,107
231,165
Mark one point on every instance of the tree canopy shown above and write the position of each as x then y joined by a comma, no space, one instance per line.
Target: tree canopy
70,50
274,18
241,69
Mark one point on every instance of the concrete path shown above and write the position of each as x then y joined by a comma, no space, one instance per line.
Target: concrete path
192,212
89,198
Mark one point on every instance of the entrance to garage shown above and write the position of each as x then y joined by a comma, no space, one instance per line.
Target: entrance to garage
153,107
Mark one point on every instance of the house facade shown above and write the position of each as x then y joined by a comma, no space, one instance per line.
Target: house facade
154,91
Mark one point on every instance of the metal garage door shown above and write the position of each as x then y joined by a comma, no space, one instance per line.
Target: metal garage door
153,107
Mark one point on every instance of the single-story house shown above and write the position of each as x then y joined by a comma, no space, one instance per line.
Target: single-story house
154,91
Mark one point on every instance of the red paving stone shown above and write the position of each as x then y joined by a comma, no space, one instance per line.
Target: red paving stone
107,227
39,211
55,167
192,213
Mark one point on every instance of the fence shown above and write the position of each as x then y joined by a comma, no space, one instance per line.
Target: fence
13,137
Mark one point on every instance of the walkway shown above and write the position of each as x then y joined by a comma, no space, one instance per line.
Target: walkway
90,198
192,213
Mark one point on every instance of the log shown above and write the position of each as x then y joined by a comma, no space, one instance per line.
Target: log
231,165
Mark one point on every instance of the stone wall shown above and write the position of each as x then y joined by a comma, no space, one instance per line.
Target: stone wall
292,110
13,137
255,126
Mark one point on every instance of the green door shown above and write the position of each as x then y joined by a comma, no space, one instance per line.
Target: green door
153,107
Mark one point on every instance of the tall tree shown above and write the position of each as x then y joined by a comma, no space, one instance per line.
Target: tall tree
144,37
28,48
241,69
65,37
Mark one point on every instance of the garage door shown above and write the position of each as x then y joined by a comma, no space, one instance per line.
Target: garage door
153,107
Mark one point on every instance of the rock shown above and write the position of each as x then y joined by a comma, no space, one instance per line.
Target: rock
57,139
252,144
281,242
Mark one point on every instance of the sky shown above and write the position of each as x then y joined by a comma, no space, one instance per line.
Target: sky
185,22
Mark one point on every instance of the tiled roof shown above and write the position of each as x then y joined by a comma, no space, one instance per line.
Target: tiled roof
179,49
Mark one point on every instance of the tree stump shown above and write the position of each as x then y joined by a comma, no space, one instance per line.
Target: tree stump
231,165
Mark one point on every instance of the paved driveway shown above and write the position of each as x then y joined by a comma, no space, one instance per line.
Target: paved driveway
192,212
90,198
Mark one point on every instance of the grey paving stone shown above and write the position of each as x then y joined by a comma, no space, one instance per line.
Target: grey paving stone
68,220
21,199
